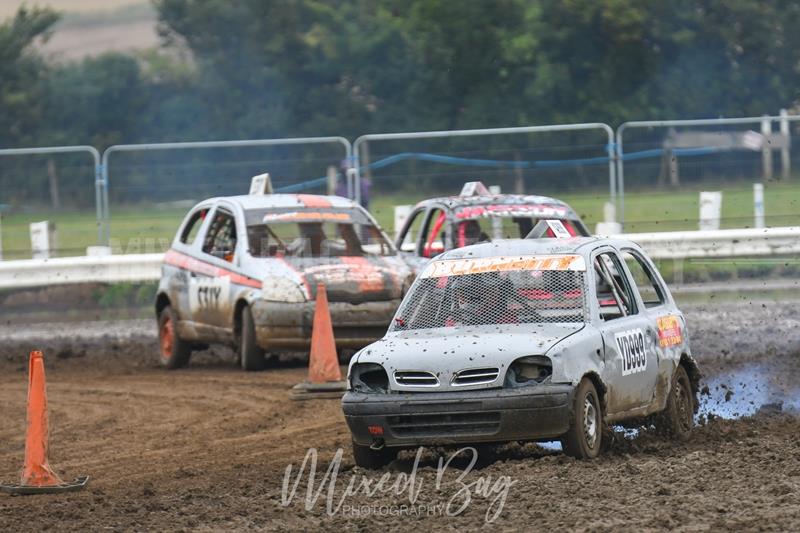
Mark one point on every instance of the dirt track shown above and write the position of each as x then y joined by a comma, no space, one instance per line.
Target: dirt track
207,447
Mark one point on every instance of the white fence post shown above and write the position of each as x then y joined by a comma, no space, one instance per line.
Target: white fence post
758,204
786,160
43,239
710,210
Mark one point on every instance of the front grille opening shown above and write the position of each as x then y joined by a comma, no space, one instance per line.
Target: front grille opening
476,376
445,424
416,378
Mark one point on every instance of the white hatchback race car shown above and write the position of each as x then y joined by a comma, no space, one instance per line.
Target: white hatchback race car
244,271
525,340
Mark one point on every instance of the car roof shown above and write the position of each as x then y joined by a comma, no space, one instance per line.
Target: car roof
455,202
277,201
547,246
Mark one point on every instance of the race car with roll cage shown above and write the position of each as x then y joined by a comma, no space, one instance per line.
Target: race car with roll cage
244,271
476,215
532,339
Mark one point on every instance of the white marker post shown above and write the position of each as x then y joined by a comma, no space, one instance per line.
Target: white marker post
710,210
43,239
609,225
758,205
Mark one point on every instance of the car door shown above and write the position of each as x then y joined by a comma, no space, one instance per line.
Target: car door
185,246
631,360
664,317
210,289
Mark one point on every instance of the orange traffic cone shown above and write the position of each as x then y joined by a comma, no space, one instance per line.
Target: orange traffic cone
323,363
324,374
37,476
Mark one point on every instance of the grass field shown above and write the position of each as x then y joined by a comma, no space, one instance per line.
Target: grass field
148,228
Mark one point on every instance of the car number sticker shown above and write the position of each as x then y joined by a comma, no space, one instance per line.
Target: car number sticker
633,351
208,293
558,229
669,331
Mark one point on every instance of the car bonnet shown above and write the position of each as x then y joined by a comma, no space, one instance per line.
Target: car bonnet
444,352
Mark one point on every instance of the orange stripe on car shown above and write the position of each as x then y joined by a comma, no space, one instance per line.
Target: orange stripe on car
312,200
369,277
181,260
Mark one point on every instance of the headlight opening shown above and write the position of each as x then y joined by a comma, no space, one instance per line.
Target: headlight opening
529,370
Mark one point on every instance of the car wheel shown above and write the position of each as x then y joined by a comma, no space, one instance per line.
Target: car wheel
366,457
174,351
251,355
584,438
678,418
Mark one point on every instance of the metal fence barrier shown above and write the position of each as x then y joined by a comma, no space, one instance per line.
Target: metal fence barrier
605,158
672,140
214,145
676,246
98,183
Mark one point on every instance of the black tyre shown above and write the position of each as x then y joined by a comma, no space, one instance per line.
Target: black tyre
584,439
174,351
677,419
251,355
366,457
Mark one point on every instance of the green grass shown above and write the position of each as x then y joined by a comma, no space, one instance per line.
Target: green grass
148,229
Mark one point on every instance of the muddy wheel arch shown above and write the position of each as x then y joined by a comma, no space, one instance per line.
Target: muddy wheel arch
162,301
690,365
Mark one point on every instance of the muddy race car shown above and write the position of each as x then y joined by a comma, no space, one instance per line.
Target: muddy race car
244,271
476,215
525,340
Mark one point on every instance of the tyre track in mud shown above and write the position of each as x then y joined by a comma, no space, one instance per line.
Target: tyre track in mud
207,447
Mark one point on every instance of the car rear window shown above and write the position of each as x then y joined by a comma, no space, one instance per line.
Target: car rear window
484,223
314,233
504,290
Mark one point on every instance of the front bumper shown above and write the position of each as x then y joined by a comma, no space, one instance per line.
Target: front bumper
537,412
288,325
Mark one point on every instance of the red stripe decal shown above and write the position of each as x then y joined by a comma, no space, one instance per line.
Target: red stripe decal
313,200
191,264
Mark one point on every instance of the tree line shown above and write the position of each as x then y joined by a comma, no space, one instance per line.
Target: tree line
284,68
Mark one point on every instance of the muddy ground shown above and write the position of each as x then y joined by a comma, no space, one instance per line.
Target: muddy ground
207,447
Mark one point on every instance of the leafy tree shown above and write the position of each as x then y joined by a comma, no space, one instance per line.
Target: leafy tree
21,76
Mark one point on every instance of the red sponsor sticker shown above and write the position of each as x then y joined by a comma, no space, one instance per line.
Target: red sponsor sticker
669,331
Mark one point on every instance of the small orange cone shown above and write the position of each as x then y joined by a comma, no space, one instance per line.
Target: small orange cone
37,476
324,374
323,363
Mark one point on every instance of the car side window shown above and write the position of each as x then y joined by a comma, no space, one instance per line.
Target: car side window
644,278
614,293
221,237
408,243
193,226
435,234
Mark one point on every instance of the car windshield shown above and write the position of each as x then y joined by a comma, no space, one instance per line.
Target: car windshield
496,290
317,233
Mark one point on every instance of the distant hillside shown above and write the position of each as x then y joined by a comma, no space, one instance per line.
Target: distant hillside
91,27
